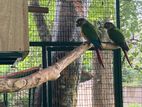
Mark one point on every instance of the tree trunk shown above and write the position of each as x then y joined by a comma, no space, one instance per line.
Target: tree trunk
65,88
44,35
41,25
103,90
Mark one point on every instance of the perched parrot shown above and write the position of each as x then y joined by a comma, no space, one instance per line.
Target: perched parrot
118,38
90,34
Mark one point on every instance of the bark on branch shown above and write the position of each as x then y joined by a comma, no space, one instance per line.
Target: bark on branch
50,73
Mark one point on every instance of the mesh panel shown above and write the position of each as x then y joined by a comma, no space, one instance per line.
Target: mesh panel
21,99
96,90
132,78
94,87
41,24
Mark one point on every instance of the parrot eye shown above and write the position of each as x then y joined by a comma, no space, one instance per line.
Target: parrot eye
108,25
79,22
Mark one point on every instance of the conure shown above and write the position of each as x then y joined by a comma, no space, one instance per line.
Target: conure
117,37
90,34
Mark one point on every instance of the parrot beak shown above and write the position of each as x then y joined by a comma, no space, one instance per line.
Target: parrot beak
104,26
77,25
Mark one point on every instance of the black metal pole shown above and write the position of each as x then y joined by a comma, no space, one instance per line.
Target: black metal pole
118,13
118,89
5,99
118,78
44,64
30,91
49,82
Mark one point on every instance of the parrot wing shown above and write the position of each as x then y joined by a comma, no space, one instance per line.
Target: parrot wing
118,38
92,36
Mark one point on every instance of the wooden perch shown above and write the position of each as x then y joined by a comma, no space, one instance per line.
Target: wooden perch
50,73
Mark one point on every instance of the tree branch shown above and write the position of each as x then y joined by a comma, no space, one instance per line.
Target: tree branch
50,73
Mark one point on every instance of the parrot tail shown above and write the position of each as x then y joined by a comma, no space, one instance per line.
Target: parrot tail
99,58
125,53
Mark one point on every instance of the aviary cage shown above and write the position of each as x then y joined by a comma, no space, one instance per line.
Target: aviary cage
53,34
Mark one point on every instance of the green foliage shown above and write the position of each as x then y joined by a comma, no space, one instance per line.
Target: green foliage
18,99
131,25
131,77
98,10
129,16
135,105
101,9
87,61
49,19
33,33
35,54
33,59
3,68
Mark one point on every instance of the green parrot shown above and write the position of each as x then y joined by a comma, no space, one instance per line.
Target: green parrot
90,34
118,38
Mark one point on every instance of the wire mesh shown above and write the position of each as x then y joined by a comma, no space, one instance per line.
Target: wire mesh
132,78
84,83
132,89
97,90
21,99
40,23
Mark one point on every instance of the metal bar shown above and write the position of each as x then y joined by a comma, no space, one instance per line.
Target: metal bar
44,62
117,71
5,99
118,13
60,48
38,9
58,45
30,98
117,66
65,44
66,48
33,97
6,62
55,43
49,82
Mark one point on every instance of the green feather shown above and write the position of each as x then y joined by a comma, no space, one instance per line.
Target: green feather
91,34
118,38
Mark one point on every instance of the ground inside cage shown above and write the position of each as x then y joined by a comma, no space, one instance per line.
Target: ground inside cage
131,95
